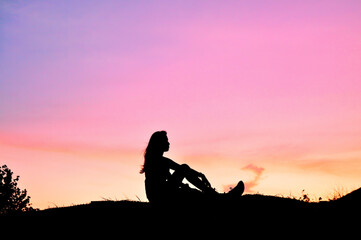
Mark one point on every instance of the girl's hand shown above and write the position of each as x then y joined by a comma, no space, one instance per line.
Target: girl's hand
204,179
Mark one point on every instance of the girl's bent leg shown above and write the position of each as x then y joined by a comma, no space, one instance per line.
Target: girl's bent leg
184,171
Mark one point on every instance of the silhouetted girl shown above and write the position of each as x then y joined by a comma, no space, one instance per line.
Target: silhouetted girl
161,185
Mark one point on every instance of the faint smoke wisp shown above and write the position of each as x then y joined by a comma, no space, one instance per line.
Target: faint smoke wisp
249,185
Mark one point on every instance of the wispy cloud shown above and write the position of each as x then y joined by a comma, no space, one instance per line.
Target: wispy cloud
72,148
249,185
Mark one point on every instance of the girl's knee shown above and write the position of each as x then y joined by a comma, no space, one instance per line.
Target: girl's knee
184,167
182,171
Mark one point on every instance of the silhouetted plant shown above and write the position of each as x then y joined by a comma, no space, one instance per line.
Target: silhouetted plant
12,198
338,193
305,196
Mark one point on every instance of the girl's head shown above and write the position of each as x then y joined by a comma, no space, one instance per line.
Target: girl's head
157,145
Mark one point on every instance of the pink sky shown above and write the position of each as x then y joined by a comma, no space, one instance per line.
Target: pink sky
238,85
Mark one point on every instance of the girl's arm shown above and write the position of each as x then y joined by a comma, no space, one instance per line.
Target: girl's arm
171,164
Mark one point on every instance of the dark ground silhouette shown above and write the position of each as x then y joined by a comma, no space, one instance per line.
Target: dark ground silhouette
256,216
247,205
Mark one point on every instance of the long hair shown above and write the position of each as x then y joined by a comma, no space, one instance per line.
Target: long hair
153,149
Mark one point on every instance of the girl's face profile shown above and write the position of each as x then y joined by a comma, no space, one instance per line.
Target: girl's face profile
165,144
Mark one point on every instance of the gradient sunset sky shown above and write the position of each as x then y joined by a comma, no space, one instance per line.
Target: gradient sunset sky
263,91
